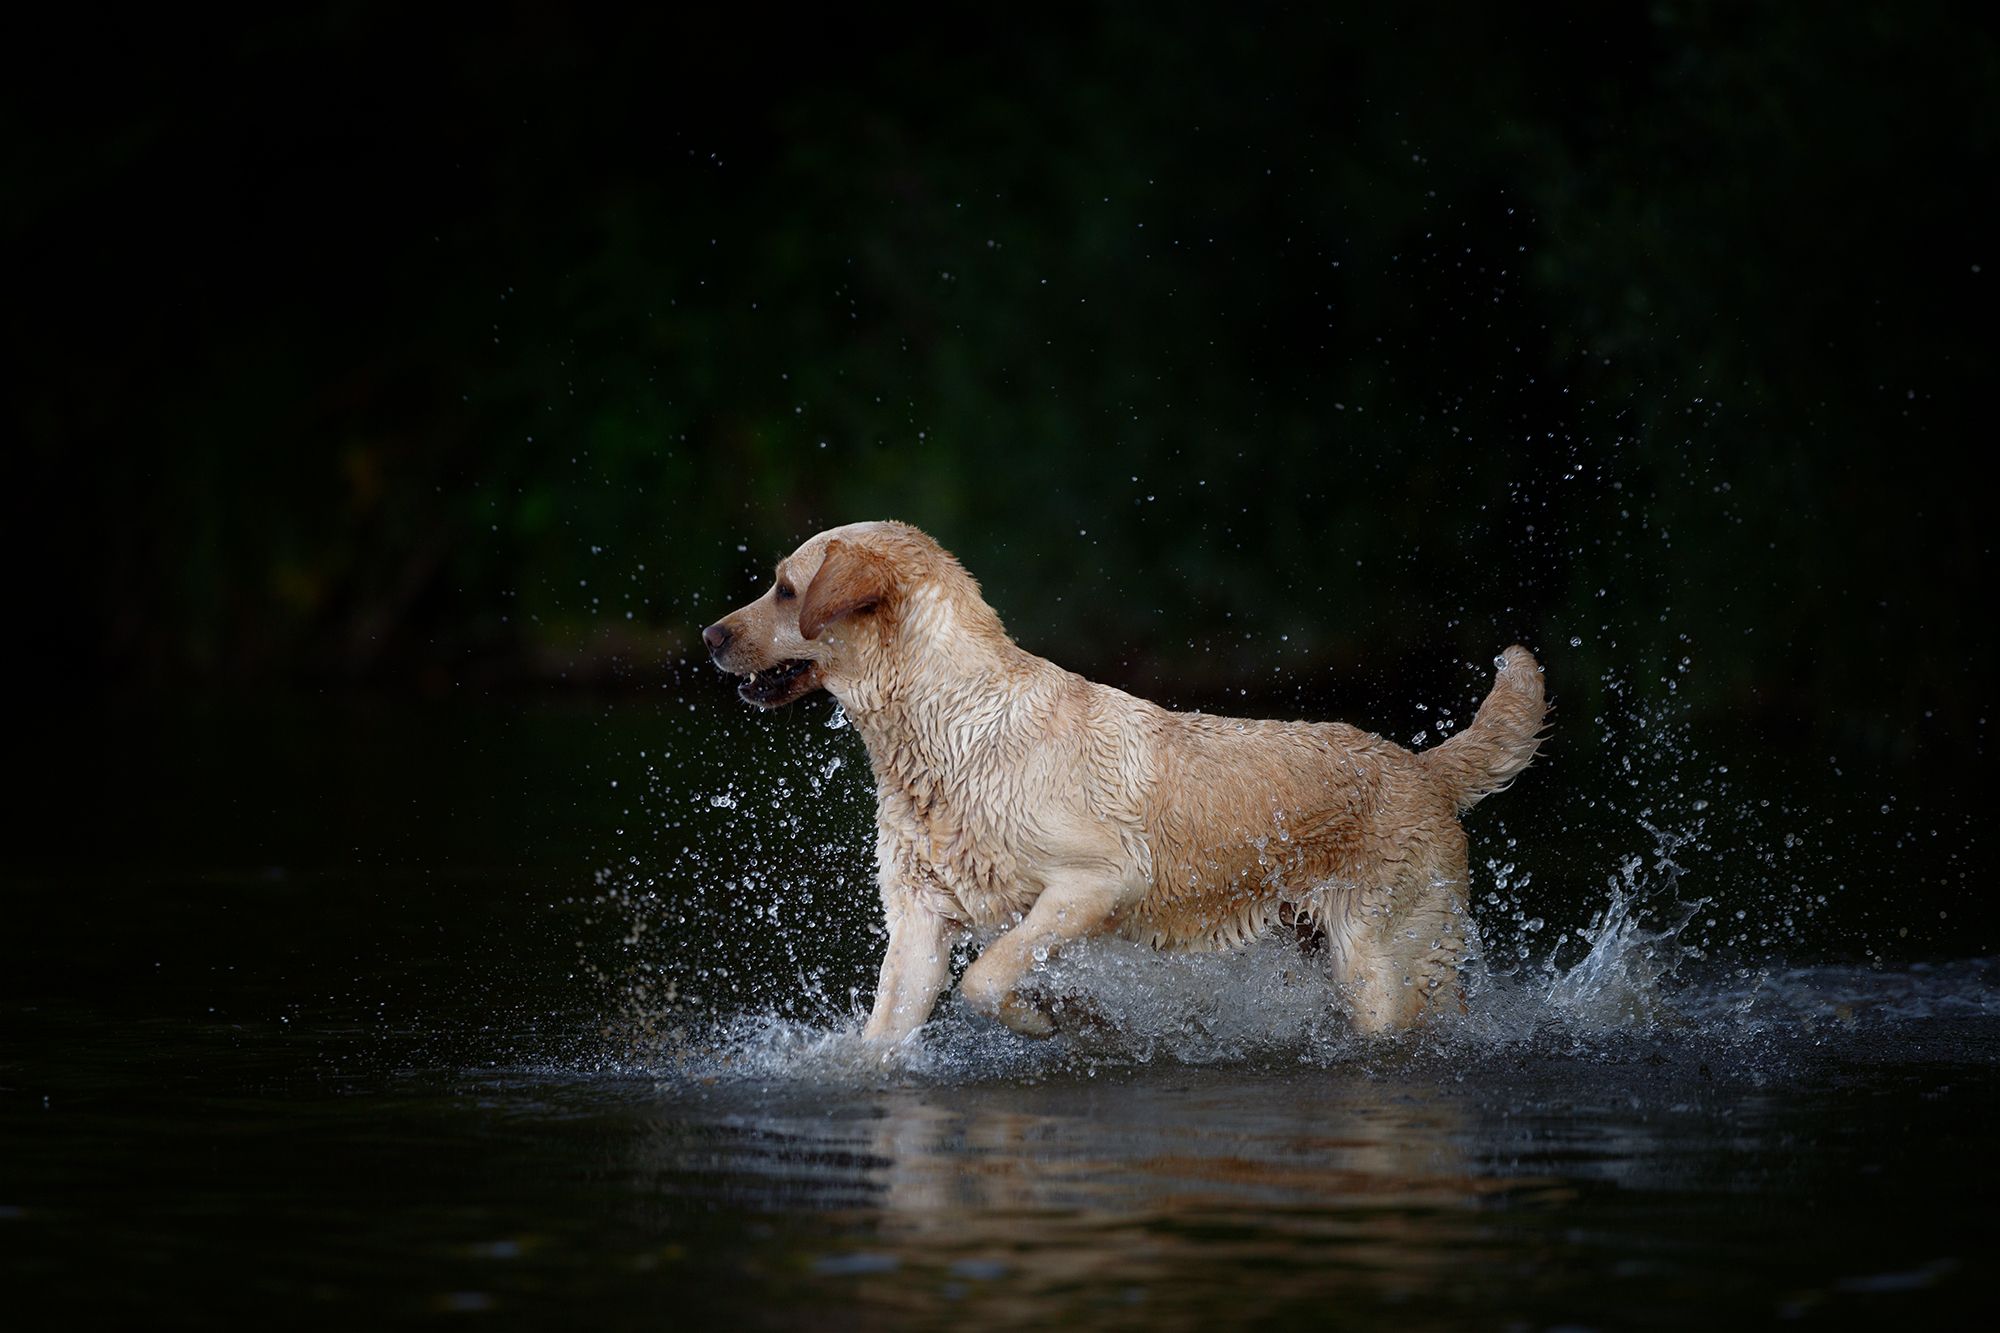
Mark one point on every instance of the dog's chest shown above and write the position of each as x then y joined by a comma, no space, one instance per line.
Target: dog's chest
965,861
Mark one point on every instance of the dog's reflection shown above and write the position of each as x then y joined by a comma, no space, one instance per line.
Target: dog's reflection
1039,1202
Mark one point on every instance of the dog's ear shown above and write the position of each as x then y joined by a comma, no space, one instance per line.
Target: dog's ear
850,581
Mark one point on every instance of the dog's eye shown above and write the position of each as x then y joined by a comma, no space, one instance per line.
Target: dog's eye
785,593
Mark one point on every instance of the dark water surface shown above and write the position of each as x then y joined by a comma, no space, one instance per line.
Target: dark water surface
342,1030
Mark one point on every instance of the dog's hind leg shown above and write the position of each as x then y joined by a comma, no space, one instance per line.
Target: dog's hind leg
1398,956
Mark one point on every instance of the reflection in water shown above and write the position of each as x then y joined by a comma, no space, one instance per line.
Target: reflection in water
1031,1202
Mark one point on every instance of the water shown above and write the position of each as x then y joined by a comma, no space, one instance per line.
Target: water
341,1029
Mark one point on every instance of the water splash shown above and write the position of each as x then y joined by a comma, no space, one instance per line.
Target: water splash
1121,1004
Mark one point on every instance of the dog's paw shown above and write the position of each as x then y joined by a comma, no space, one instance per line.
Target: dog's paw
1027,1017
1080,1015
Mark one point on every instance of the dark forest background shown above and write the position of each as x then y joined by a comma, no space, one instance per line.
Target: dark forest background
1298,357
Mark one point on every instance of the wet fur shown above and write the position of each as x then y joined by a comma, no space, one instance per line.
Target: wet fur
1029,806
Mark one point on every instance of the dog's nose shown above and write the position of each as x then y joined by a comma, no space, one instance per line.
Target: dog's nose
716,637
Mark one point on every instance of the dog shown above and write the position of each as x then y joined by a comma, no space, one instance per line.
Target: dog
1030,807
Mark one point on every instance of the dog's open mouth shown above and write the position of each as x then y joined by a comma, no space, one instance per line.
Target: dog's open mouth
780,684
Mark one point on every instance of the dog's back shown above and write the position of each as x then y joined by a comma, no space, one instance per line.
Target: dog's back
1338,831
1248,818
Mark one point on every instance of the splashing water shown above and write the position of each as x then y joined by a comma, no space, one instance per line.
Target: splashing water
1120,1004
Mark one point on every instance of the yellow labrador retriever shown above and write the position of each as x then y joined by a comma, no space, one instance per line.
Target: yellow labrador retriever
1025,804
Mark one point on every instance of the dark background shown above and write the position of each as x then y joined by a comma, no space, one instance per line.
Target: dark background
1291,360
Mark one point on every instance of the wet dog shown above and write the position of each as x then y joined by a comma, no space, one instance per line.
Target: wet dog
1031,807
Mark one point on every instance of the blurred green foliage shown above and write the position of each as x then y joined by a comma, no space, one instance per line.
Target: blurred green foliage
1232,353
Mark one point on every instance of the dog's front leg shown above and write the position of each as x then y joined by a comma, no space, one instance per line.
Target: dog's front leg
914,970
1067,910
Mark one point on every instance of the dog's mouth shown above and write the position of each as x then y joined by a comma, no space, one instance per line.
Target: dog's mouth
776,686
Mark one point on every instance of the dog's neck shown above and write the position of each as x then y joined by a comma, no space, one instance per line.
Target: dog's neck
948,672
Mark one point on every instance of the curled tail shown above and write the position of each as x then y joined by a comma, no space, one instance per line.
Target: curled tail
1503,737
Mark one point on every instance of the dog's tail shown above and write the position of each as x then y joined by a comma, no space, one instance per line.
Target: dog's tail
1503,737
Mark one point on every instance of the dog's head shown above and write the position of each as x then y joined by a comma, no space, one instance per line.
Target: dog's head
834,612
